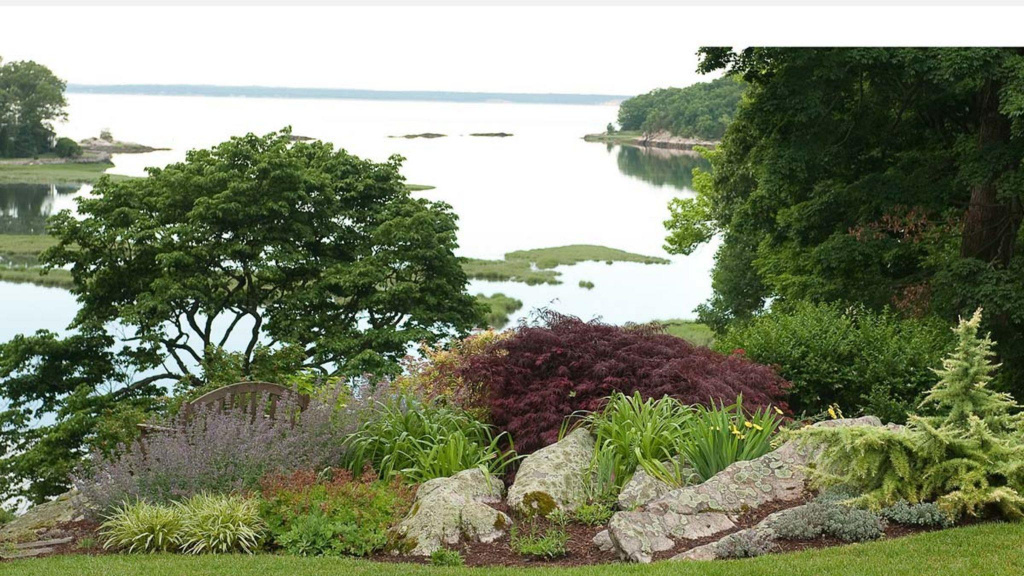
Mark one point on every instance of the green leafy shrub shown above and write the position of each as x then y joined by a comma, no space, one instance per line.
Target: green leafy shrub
142,527
220,524
745,544
540,543
332,513
921,514
421,441
968,457
436,375
831,518
6,516
67,148
864,361
446,557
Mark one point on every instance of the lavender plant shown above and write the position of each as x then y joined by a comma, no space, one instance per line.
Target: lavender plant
223,452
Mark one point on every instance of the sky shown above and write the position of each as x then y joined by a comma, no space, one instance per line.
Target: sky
606,50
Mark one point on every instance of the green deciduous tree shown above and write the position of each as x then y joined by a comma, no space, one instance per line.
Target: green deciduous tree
881,176
259,245
702,110
31,99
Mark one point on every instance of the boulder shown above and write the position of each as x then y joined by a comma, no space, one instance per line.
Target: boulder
643,488
42,520
554,477
449,509
706,509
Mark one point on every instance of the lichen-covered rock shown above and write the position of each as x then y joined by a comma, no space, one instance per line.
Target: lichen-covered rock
554,477
705,509
40,520
603,541
643,488
449,509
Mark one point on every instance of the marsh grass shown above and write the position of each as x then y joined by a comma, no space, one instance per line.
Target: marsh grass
537,266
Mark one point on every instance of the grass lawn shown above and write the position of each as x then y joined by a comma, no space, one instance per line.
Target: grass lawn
83,173
988,549
535,266
694,332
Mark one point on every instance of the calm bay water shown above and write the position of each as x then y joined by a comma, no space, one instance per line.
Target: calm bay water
542,187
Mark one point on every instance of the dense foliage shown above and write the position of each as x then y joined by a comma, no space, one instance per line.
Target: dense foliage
31,99
422,441
334,512
257,240
545,372
219,452
968,457
881,176
436,374
863,361
702,110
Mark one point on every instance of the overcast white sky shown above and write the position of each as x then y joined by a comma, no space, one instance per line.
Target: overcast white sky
611,50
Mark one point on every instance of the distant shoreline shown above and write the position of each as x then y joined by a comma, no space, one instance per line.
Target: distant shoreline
657,140
343,94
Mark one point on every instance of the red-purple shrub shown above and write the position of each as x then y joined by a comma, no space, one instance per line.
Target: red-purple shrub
547,372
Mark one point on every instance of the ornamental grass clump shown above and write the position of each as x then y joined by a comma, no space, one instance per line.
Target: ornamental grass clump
967,456
220,524
420,441
142,527
718,436
544,372
628,430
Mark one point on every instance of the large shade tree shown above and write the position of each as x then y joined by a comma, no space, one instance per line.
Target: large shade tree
261,251
31,99
885,176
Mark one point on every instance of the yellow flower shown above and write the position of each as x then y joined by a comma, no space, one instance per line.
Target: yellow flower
832,412
756,427
748,424
777,411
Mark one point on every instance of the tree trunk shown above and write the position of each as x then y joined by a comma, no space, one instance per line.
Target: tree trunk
991,224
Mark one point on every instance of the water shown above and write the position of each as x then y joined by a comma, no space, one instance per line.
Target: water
542,187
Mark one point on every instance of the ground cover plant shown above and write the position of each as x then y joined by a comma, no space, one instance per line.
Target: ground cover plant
561,365
332,512
966,454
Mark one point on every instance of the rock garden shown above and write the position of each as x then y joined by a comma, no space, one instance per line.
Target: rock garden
559,443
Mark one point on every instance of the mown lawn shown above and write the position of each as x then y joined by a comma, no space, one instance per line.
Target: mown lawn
989,549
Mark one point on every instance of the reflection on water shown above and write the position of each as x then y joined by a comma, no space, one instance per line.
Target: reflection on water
24,208
661,166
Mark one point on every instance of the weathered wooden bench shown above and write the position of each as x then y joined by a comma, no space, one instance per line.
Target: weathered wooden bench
255,399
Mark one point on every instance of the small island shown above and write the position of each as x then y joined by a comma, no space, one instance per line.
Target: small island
491,134
537,266
427,135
